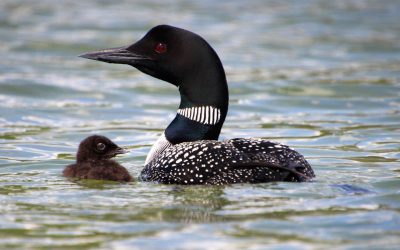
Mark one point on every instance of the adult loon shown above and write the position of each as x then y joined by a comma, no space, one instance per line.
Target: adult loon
93,161
188,151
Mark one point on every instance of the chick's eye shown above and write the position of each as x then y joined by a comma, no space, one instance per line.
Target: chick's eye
100,146
160,48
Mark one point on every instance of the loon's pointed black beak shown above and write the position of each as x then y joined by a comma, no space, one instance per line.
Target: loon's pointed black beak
120,55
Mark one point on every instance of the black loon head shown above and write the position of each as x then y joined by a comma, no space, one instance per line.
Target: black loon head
177,56
187,61
97,147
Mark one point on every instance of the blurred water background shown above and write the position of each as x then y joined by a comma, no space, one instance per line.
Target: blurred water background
321,76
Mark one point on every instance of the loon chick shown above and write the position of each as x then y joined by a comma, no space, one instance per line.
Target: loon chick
93,161
188,151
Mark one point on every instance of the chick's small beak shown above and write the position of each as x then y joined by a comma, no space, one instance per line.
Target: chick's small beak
119,151
115,152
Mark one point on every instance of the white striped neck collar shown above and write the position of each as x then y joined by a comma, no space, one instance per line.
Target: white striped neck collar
203,114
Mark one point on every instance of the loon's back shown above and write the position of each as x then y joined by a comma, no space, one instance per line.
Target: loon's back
225,162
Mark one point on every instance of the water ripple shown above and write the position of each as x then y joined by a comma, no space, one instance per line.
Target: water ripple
320,76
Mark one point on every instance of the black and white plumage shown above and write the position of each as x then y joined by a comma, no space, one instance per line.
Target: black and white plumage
188,151
234,161
159,146
204,114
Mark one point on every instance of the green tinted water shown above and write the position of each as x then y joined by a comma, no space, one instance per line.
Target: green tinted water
321,76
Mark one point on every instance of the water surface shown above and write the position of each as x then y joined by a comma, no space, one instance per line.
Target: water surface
321,76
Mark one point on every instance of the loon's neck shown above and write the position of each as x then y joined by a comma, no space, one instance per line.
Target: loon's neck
195,120
204,103
203,107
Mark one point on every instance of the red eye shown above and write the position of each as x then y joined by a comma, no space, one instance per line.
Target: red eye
160,48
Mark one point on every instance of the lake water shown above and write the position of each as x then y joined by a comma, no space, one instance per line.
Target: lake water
320,76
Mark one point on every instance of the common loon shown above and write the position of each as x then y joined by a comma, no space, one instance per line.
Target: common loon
188,151
93,161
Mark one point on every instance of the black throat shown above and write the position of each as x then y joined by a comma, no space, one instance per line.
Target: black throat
204,93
